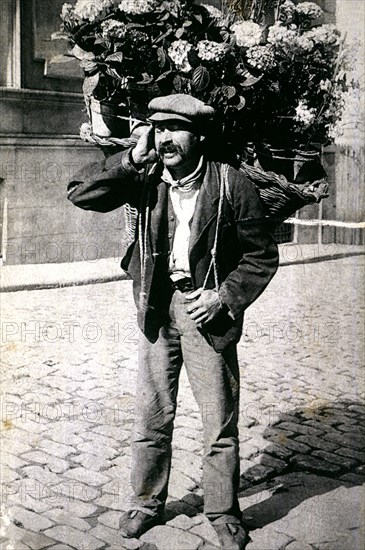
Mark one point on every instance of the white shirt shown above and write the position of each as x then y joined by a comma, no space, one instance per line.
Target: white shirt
183,195
184,205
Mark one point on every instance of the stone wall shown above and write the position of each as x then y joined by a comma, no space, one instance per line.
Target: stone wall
42,110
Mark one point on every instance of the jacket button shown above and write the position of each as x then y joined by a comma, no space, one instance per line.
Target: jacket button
170,236
172,219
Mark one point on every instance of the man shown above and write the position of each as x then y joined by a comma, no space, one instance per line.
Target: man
202,255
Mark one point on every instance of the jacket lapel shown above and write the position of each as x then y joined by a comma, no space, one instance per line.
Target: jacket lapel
206,206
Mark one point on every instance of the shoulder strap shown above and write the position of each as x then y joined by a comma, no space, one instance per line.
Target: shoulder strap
224,182
223,192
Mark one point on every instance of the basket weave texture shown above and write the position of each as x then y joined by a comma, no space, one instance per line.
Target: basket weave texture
281,197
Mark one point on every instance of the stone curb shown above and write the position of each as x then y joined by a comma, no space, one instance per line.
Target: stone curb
15,278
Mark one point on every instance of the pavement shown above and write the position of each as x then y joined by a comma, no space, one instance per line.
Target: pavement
69,375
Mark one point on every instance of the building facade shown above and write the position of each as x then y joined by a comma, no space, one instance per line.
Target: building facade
42,109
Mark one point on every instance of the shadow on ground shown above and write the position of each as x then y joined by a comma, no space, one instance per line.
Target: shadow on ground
309,452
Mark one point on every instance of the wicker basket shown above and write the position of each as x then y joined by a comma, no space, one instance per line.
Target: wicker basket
281,197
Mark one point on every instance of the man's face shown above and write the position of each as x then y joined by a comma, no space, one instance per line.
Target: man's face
176,142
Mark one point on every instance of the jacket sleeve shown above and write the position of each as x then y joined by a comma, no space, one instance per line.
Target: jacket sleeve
106,185
258,250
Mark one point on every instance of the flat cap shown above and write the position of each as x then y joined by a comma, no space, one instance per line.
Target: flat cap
180,107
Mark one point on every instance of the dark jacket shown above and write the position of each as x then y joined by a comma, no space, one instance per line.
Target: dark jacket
247,256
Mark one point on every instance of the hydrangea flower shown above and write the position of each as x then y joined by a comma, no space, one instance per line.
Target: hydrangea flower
247,33
324,34
211,51
113,29
279,35
214,12
260,57
304,114
309,10
67,11
178,51
325,85
137,7
90,10
85,131
304,43
287,11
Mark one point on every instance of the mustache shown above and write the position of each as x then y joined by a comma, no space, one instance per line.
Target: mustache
169,148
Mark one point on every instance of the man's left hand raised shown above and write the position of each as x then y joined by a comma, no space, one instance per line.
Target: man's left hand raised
205,305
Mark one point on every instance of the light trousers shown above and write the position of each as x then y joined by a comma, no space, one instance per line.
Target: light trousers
214,379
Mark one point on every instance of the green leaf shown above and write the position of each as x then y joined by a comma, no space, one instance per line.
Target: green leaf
116,57
187,23
81,54
193,58
178,83
250,79
90,83
146,80
161,56
59,35
229,91
241,103
163,76
179,33
100,40
200,78
88,66
199,18
163,36
114,73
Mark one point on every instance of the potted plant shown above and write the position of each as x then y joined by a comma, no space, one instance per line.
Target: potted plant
277,88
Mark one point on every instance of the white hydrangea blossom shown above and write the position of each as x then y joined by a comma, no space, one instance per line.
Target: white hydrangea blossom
85,131
211,51
309,10
214,12
304,43
324,34
279,35
113,28
304,114
137,7
178,51
91,9
260,57
247,33
325,85
287,10
67,11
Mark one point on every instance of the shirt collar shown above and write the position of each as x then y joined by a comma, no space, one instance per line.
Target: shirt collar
187,183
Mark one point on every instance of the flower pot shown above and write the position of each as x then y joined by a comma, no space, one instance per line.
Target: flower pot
108,119
307,166
297,165
278,160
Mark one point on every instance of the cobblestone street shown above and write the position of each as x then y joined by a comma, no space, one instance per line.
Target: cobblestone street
69,370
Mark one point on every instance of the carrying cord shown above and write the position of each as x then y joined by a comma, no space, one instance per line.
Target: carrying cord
223,185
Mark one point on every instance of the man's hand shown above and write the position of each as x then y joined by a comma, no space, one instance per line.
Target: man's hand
205,305
144,152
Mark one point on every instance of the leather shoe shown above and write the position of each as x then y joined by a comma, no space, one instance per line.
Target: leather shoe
135,522
232,536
